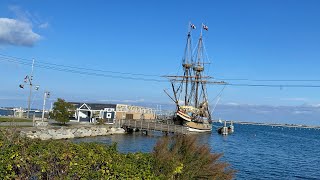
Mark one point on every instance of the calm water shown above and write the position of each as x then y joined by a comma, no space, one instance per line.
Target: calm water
256,152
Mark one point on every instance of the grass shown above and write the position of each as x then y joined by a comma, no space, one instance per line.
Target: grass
13,119
14,126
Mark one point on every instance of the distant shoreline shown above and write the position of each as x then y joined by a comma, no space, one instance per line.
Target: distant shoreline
274,124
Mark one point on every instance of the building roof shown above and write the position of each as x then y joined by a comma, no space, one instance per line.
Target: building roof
94,106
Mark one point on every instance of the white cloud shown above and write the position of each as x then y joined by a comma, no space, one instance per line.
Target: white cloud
232,104
16,32
294,99
316,105
44,25
28,17
263,111
21,15
122,101
301,112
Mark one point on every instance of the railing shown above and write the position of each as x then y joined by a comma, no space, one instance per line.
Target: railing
153,126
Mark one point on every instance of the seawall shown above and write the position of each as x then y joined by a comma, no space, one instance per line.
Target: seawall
69,132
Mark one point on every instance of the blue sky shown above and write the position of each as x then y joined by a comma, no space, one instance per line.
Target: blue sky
267,39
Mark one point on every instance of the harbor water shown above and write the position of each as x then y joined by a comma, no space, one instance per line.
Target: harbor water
256,152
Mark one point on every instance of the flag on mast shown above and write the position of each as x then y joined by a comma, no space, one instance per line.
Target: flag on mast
205,27
192,26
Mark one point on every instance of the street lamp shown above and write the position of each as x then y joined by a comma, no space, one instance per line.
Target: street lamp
28,80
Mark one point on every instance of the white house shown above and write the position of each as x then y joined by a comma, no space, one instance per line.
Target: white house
91,112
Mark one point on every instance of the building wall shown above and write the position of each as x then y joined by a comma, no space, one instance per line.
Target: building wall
109,115
121,115
149,116
134,112
135,116
122,111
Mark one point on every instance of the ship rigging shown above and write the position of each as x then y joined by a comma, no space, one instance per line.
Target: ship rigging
193,110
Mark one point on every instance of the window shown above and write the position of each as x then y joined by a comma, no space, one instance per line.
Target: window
109,109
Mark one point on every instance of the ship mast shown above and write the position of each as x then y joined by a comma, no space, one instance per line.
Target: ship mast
187,68
187,63
193,82
198,69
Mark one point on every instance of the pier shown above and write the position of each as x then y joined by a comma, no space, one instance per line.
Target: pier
149,125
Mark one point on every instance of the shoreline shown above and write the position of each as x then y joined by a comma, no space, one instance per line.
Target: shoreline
47,133
273,124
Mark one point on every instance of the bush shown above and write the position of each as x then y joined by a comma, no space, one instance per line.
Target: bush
180,158
26,159
101,121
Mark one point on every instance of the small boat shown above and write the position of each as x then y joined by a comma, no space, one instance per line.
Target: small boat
225,130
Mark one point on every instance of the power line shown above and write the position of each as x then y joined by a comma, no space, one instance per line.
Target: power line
68,70
275,85
272,80
28,61
76,67
102,73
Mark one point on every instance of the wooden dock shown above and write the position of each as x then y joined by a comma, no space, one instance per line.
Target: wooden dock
149,125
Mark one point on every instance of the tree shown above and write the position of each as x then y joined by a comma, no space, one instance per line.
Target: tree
62,110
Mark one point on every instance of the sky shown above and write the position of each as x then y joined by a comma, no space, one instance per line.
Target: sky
252,40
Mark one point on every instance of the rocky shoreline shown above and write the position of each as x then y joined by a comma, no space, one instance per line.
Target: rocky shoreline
69,132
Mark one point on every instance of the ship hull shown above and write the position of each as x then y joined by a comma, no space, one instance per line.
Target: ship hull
198,130
184,116
199,127
192,126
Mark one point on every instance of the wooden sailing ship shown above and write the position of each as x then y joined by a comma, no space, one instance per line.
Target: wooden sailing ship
189,89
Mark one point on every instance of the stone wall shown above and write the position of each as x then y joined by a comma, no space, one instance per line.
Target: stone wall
67,133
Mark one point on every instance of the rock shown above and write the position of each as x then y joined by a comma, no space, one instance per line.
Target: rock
31,135
120,131
66,133
113,129
82,132
45,136
63,136
51,132
41,124
117,131
73,130
103,131
94,131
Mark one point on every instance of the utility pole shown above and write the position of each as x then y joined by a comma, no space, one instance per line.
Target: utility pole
30,78
46,95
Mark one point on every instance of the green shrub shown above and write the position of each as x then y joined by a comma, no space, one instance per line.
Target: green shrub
101,121
181,158
177,158
24,159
